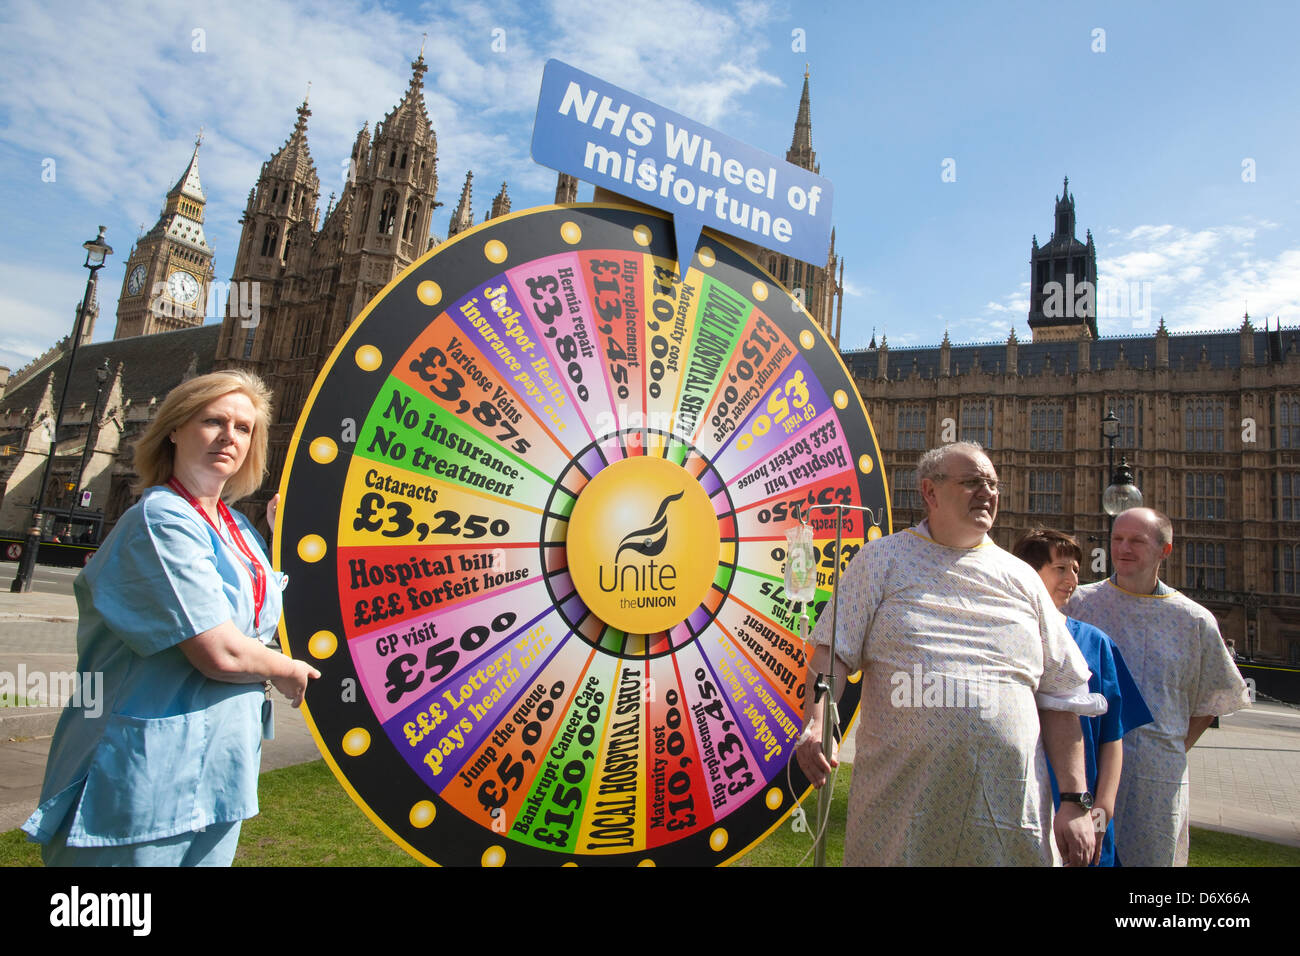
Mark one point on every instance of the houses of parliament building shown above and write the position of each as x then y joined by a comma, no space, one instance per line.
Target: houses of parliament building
1210,423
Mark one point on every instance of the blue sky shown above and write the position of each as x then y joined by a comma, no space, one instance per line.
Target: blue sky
1176,123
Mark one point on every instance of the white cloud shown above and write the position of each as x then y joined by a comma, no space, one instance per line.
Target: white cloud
116,96
1013,308
37,308
1198,279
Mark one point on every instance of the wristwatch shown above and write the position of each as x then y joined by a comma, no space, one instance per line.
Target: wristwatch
1084,799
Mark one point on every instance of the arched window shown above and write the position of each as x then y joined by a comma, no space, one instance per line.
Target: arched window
1206,498
1205,565
911,427
268,239
906,494
412,217
1286,502
1286,561
1204,425
1129,413
1046,427
1045,492
388,213
1288,421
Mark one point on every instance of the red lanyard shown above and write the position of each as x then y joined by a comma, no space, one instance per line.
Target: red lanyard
254,566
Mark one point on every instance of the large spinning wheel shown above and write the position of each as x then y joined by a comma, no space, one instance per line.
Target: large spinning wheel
534,520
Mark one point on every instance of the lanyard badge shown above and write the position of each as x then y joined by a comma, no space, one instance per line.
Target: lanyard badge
254,566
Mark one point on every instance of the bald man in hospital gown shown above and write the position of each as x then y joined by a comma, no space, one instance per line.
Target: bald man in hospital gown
1178,659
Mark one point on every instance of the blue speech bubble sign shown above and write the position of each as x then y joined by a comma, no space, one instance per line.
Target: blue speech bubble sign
605,135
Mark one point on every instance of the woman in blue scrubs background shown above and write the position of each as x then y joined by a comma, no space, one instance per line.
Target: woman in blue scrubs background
176,610
1056,557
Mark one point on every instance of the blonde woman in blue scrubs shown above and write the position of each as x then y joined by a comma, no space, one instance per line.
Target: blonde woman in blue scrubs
176,610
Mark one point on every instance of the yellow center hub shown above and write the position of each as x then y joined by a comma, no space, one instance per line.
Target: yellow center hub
643,545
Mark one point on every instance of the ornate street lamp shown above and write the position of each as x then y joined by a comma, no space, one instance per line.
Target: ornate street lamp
1122,493
97,250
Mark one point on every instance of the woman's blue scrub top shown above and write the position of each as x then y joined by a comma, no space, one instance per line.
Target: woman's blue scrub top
166,750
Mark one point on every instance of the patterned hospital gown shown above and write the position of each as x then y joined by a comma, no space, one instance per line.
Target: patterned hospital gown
1173,649
933,628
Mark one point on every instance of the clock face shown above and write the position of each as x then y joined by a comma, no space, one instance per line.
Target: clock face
183,287
136,281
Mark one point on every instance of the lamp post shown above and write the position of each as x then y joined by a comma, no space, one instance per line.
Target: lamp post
1253,602
1122,493
97,250
92,432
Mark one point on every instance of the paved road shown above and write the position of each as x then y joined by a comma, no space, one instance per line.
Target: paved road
45,579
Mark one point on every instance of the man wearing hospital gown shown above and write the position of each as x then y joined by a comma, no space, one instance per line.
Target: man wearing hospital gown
1177,657
955,638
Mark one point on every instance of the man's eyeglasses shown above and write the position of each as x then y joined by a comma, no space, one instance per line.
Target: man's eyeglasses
973,485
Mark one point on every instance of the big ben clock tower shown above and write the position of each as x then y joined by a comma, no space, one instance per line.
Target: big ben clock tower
169,270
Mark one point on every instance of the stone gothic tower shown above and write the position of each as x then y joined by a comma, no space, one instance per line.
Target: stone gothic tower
1063,281
819,288
169,270
396,181
315,277
281,211
462,217
500,203
566,188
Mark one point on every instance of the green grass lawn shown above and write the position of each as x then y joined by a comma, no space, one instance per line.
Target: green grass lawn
307,820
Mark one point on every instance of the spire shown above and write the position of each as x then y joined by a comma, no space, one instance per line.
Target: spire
182,213
188,185
293,159
300,128
500,203
1064,214
418,69
462,217
873,338
409,120
801,151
